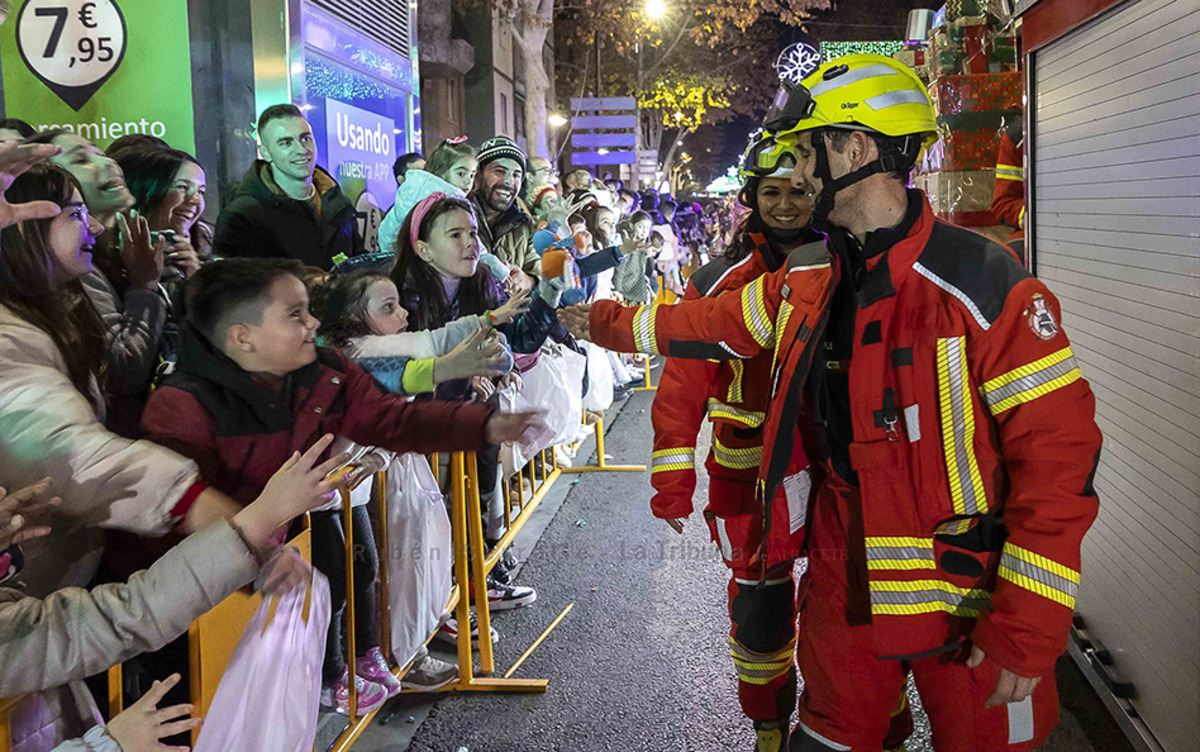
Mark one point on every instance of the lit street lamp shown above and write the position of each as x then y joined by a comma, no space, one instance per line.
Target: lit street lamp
556,121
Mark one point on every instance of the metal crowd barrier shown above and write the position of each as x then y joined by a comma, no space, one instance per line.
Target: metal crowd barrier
214,636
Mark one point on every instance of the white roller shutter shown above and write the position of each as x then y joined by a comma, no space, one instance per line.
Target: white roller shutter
1115,177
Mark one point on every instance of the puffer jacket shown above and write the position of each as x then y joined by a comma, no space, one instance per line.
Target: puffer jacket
49,429
135,323
417,186
47,646
510,236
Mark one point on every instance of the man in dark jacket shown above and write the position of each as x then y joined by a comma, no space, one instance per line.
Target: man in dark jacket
286,206
504,227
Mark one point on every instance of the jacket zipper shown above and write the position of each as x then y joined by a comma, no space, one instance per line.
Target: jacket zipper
818,334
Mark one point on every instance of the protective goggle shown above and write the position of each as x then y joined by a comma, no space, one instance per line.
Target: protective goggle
792,104
769,155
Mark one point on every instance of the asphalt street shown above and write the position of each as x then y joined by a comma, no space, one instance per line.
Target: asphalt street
641,663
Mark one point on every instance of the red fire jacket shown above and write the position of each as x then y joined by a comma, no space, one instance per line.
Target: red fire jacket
734,394
1008,195
975,439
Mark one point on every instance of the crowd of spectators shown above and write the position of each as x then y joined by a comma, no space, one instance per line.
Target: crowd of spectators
177,392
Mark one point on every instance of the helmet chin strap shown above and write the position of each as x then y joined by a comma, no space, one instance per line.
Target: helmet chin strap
823,203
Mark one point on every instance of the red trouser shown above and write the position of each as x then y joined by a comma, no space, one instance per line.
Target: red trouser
762,634
849,692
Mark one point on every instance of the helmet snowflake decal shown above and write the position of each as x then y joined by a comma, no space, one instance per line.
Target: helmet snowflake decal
797,62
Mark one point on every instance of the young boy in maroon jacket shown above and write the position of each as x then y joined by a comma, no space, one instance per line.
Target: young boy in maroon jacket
251,386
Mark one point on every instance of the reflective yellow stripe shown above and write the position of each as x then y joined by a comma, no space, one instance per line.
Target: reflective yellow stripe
900,598
748,418
643,330
1040,575
735,387
676,458
781,663
754,313
1010,172
899,552
1031,381
743,655
781,322
737,459
958,428
899,540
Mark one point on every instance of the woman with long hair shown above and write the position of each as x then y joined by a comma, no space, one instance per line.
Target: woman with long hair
124,282
168,187
53,372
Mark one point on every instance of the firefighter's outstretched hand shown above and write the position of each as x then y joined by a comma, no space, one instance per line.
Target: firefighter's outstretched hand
676,525
1009,687
575,318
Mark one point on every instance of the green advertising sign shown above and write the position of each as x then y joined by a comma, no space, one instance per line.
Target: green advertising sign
100,68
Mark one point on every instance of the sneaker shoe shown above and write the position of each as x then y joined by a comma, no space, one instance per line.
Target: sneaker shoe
374,667
505,567
502,597
371,696
448,632
430,674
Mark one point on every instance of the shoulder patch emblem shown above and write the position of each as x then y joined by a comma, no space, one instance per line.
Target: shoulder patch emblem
1041,319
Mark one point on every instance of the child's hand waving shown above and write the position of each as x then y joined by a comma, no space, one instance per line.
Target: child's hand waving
516,305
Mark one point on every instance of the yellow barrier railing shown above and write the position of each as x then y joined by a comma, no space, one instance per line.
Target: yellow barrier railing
215,635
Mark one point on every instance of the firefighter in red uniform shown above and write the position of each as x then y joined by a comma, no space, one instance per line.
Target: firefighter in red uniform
1008,195
734,394
931,375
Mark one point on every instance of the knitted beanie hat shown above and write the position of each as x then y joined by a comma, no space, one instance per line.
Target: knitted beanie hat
500,147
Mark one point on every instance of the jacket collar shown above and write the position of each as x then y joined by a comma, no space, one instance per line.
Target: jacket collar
510,219
199,359
888,253
333,201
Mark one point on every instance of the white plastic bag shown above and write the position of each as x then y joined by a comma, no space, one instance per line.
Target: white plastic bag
419,563
269,696
599,396
554,387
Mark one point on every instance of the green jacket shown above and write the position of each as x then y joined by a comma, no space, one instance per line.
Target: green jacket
510,236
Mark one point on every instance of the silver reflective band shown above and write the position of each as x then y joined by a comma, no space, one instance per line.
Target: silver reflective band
970,304
893,98
852,77
1020,721
1032,381
829,743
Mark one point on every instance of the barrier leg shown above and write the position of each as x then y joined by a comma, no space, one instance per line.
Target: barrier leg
351,648
458,521
478,575
601,463
385,606
467,529
648,386
116,693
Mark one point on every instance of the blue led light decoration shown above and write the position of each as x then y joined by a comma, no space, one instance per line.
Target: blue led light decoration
797,62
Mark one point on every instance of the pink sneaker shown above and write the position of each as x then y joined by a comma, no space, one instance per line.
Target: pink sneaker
374,668
371,696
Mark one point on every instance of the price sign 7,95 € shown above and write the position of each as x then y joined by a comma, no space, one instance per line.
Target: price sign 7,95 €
73,46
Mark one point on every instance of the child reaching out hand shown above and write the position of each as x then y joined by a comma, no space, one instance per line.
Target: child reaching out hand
361,314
